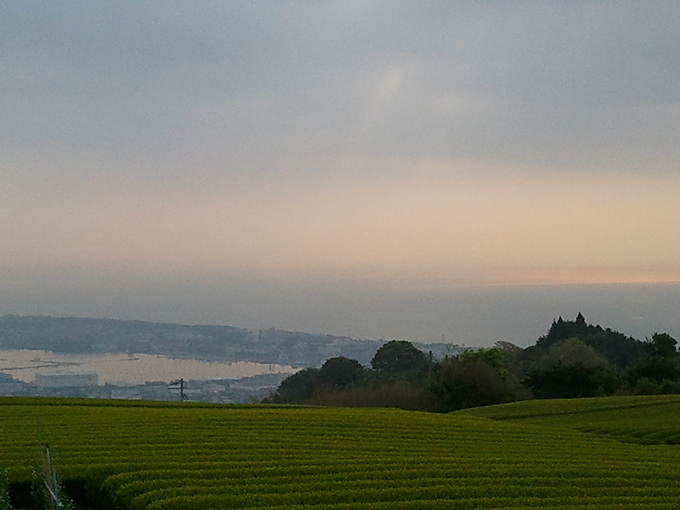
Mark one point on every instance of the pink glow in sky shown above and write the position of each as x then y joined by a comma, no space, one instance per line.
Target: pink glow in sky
192,162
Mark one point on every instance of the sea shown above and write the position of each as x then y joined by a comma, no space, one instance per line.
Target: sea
124,369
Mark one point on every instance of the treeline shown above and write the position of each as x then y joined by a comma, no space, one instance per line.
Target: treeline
574,359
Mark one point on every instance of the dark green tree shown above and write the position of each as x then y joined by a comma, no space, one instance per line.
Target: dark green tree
659,370
572,369
400,357
618,349
341,372
296,388
471,380
662,344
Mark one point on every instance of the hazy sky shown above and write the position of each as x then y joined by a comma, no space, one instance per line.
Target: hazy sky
379,168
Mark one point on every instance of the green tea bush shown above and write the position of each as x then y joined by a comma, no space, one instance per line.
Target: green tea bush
550,454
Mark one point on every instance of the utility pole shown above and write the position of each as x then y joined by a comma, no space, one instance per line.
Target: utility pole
179,381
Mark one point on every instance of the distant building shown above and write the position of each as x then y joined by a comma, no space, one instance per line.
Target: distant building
66,380
127,393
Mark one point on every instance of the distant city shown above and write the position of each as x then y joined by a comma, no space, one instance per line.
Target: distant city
244,390
50,356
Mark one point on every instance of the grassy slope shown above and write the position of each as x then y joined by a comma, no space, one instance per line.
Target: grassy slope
640,419
162,456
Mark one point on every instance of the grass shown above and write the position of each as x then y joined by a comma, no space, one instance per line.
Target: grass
172,456
640,419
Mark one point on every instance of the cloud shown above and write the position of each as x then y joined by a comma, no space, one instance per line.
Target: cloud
383,142
243,88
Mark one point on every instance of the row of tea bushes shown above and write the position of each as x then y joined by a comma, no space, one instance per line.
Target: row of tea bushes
175,456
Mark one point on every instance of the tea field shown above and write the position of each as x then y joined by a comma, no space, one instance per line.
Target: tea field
644,419
591,453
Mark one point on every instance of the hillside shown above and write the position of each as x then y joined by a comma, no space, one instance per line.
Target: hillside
162,456
641,419
93,336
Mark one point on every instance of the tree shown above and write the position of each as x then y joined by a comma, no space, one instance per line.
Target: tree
400,357
296,388
398,394
620,350
662,344
572,369
341,372
491,356
659,371
512,360
469,381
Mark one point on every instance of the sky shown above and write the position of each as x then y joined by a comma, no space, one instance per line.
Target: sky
457,170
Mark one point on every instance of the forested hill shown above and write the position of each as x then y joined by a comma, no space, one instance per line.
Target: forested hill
619,349
573,360
92,336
